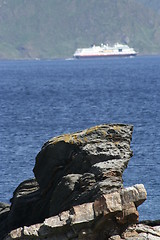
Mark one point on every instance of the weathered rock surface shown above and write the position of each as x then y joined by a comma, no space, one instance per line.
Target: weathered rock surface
78,190
77,168
116,209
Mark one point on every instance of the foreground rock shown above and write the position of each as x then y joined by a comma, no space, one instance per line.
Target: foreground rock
102,218
78,190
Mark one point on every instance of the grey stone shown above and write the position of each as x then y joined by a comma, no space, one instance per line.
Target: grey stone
78,190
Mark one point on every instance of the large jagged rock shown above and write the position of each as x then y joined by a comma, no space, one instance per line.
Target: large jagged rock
77,168
78,189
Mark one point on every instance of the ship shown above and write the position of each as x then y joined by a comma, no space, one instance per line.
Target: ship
104,50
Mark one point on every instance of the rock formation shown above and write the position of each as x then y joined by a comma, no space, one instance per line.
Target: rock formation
78,191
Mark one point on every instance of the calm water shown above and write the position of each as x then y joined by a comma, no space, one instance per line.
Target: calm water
41,99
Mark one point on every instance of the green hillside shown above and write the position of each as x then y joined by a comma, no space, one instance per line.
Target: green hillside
55,28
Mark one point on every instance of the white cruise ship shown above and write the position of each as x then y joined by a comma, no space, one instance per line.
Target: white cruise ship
118,50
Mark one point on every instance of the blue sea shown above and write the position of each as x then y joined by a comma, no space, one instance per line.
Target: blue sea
42,99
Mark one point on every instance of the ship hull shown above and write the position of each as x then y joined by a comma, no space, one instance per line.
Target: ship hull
105,56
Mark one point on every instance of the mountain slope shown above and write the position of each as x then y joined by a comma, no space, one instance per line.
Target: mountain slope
153,4
55,28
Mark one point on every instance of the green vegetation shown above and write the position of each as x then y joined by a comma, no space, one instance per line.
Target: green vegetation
55,28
